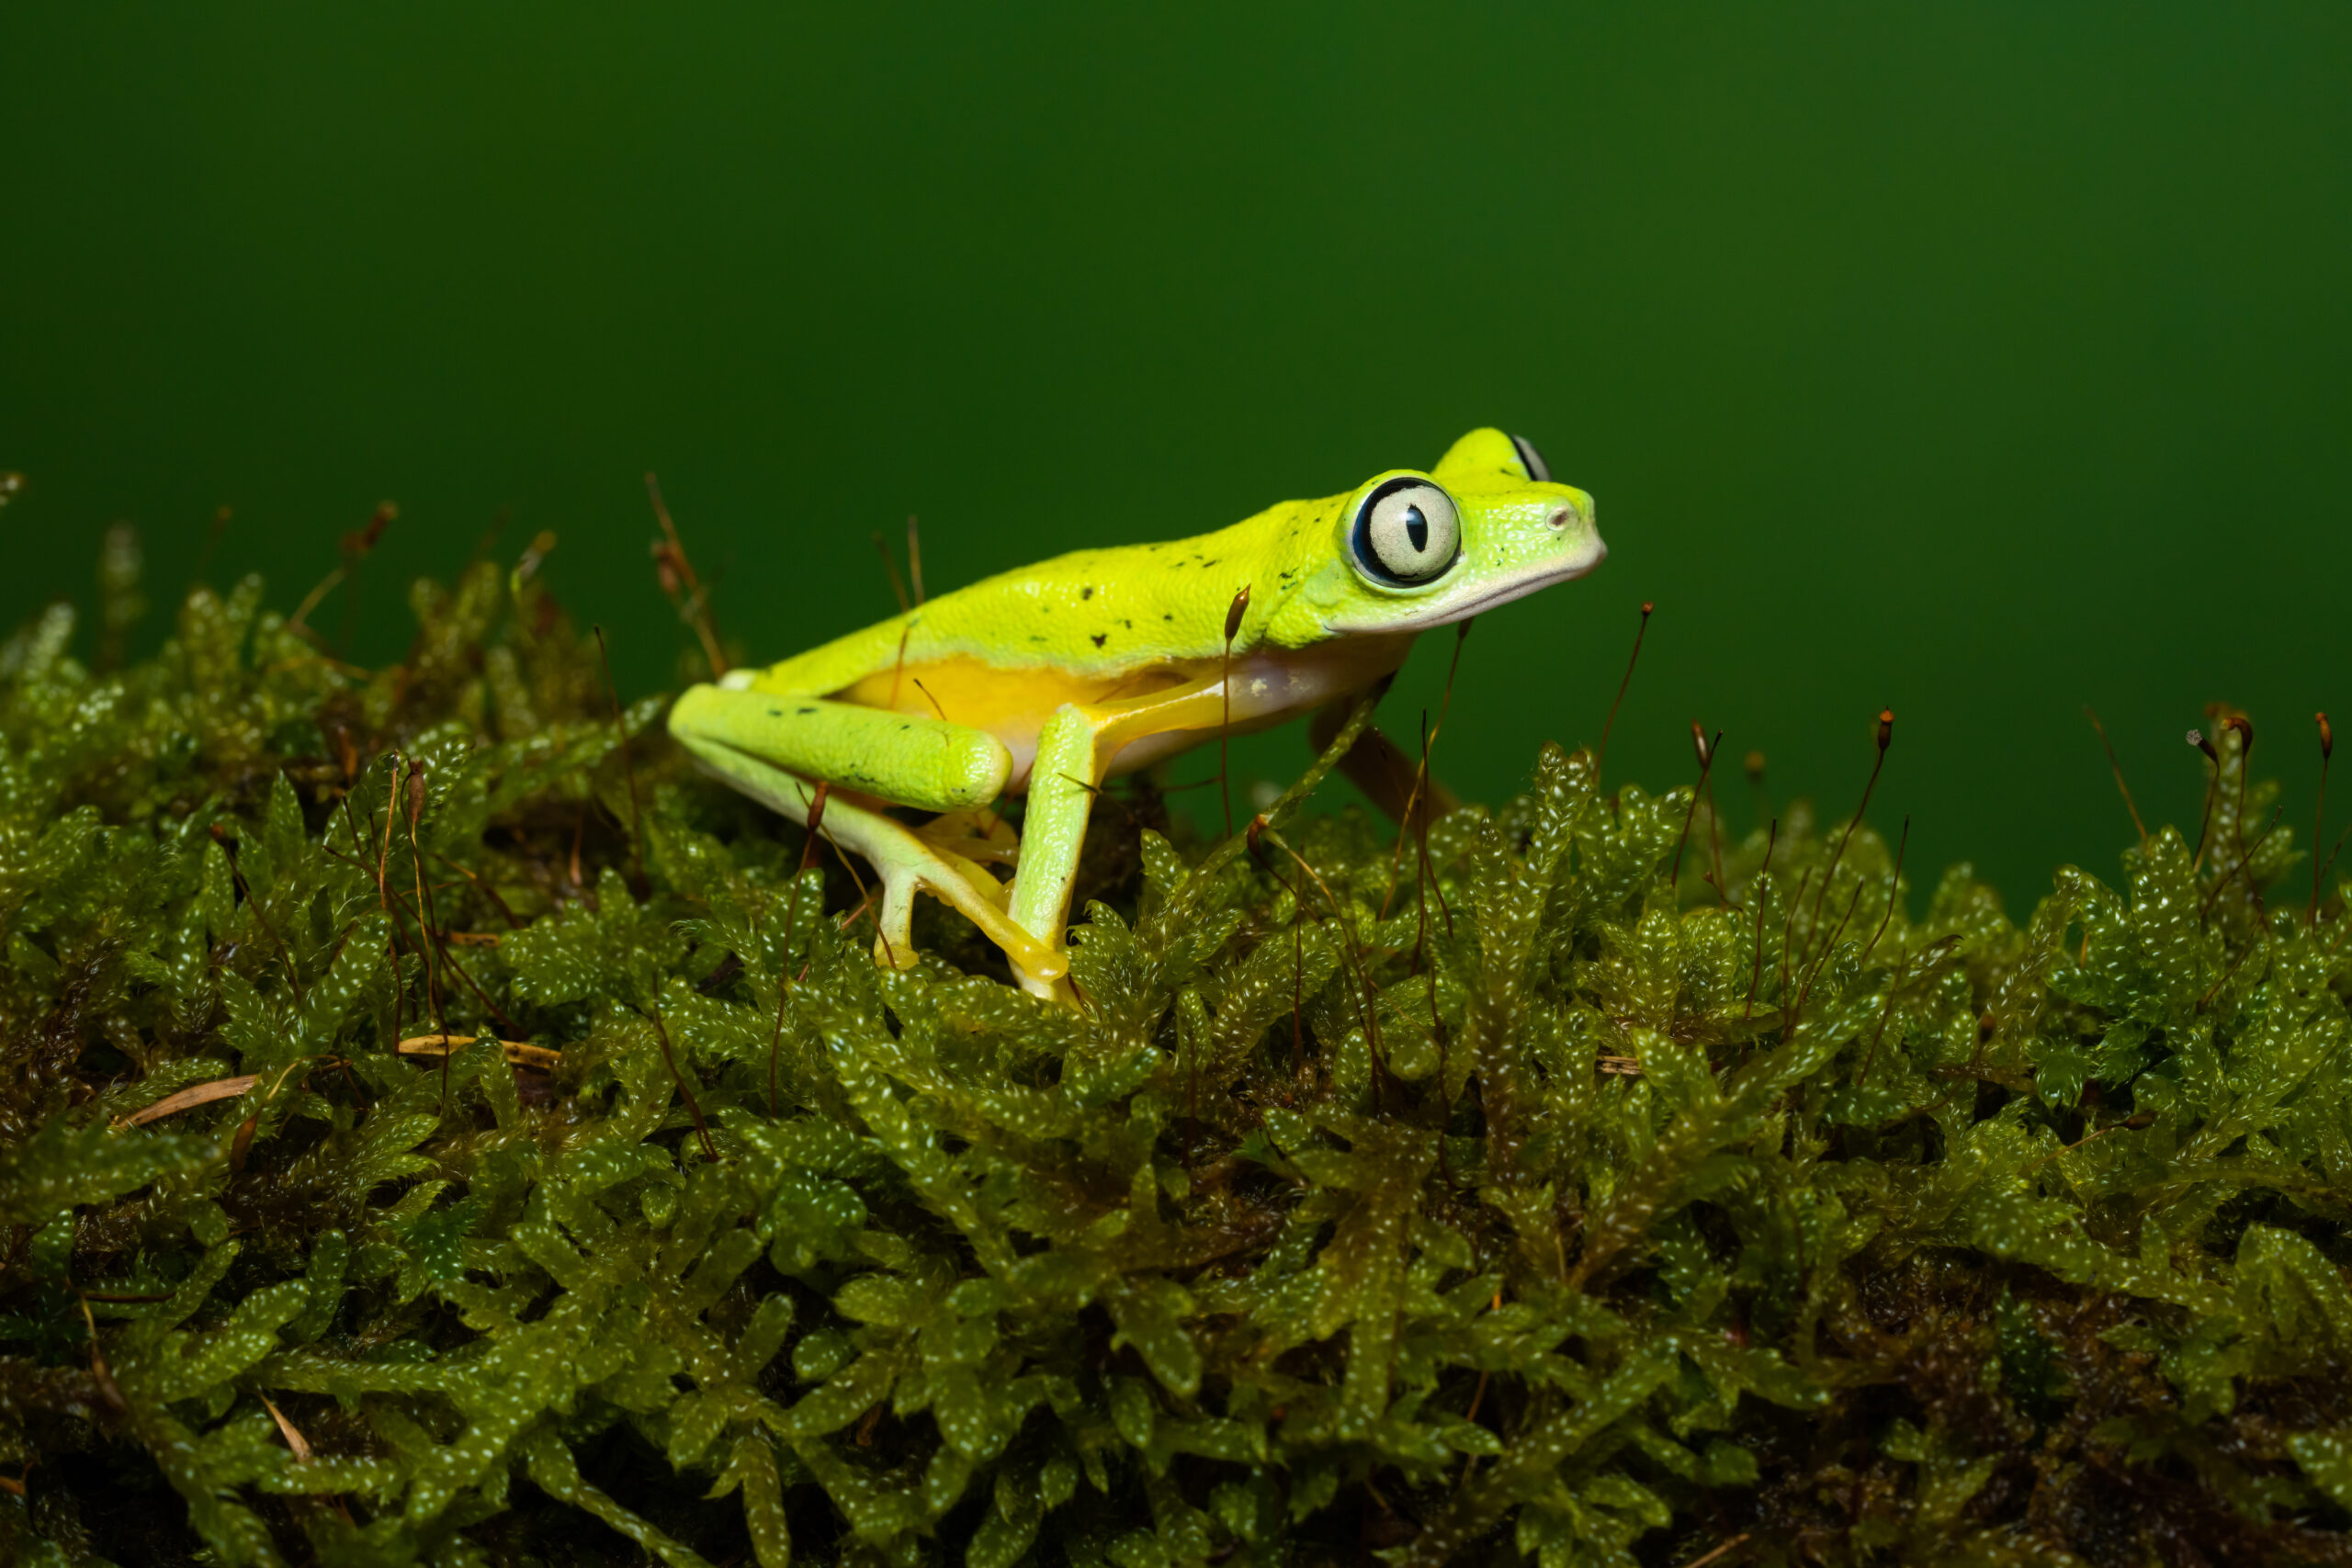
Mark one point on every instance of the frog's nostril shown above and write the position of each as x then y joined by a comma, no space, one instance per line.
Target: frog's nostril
1560,520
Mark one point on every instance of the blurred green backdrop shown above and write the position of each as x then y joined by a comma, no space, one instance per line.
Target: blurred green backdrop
1981,360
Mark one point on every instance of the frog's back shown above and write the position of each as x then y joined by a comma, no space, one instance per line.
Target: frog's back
1098,612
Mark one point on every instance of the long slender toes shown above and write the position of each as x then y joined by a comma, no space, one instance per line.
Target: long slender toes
894,942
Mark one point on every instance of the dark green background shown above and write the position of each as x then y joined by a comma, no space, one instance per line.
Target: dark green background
1978,359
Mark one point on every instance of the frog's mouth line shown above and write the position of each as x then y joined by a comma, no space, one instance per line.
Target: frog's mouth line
1567,572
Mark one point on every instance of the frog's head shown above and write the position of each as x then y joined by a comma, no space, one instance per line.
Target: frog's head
1415,550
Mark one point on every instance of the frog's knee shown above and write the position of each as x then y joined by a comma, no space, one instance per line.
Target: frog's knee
690,716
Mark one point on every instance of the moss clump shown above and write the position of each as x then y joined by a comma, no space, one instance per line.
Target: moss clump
1511,1201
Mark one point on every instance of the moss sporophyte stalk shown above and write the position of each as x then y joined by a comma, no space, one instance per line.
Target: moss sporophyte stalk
438,1131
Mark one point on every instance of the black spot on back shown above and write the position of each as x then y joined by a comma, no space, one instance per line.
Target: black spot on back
1102,638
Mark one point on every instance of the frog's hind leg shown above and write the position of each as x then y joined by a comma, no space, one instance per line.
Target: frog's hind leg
719,726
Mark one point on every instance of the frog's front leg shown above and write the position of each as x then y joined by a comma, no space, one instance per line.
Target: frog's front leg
771,746
1075,749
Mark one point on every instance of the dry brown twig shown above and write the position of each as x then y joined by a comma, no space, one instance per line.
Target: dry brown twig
518,1053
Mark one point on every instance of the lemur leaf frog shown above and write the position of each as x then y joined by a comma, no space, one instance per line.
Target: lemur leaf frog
1047,680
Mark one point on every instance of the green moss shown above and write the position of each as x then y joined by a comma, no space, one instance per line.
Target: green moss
1511,1201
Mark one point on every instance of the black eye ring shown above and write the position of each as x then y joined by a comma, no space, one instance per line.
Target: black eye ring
1406,534
1532,460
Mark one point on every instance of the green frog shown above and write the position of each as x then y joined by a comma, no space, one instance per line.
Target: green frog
1048,680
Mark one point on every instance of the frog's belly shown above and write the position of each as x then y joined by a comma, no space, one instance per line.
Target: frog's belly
1012,704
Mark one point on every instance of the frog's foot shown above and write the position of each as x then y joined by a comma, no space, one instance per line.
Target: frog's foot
969,840
916,865
978,834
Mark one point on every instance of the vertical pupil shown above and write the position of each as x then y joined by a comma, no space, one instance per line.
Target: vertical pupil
1416,528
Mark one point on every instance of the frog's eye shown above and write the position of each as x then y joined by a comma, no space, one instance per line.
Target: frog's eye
1406,534
1532,460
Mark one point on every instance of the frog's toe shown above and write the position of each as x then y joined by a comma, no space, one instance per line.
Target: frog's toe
894,942
980,899
1056,988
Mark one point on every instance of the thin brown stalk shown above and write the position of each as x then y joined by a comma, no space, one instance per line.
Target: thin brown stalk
791,924
1297,997
425,918
221,517
1233,614
384,893
1829,949
1436,883
1706,760
1421,880
1419,826
2223,979
1368,1007
1884,1013
864,900
2133,1123
693,1105
449,962
1893,887
99,1372
890,565
628,767
2244,727
2318,814
514,921
899,669
2214,896
261,916
297,623
2116,768
1788,944
1600,757
356,546
1758,892
679,581
1422,773
2212,789
1704,1558
1885,736
1715,843
2332,854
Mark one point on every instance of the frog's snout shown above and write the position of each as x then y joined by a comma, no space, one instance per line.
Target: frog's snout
1568,519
